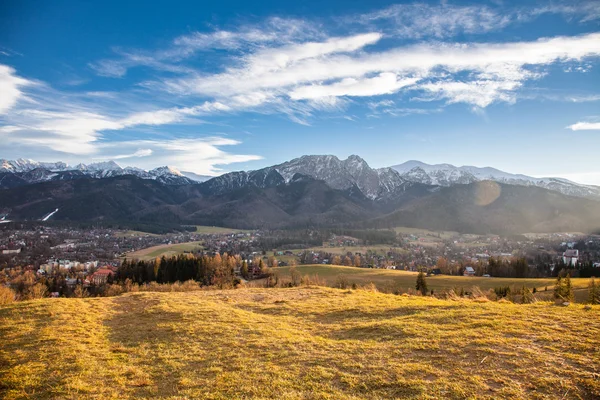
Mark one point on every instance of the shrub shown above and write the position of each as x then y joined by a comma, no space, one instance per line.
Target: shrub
296,277
341,282
37,291
7,295
593,292
421,284
527,295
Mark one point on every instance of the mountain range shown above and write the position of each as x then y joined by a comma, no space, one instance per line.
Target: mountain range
24,172
310,191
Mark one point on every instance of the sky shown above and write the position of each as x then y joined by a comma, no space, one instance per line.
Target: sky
212,87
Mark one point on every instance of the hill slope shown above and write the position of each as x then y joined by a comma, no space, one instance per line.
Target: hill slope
295,343
487,206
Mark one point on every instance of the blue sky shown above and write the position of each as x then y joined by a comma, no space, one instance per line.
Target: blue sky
228,85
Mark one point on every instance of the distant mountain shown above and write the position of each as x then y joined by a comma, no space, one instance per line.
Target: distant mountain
354,172
20,172
195,177
310,191
490,207
448,175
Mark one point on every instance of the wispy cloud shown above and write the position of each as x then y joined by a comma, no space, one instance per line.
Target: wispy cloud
10,88
386,60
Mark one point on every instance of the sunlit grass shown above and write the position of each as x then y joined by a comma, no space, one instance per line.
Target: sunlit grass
167,250
297,343
396,280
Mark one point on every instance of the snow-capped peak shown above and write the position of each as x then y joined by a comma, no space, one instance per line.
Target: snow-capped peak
447,175
45,171
160,171
103,166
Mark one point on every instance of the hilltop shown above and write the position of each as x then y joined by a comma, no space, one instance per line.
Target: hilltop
296,343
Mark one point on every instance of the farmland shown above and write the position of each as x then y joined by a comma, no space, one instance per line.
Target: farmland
167,250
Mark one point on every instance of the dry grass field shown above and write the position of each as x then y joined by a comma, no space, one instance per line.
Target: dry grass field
217,230
296,343
167,250
392,280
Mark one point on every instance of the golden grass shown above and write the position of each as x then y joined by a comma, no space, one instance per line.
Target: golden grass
217,230
167,250
392,280
342,251
297,343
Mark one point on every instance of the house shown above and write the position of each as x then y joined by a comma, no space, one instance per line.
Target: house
11,251
101,276
571,257
469,271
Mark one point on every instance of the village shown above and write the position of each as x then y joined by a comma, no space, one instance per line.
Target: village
91,257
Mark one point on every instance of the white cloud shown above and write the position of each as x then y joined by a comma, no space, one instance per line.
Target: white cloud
419,20
478,93
585,126
384,83
138,153
201,156
10,88
495,69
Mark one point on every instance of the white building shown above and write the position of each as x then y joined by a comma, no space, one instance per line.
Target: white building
571,257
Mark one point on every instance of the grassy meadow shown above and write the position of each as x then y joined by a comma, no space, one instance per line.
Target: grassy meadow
217,230
392,280
296,343
167,250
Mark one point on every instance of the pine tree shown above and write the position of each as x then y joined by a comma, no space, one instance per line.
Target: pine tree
244,270
568,290
421,283
527,295
594,292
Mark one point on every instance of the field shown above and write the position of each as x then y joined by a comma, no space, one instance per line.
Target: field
217,230
391,280
296,343
167,250
379,249
133,234
425,232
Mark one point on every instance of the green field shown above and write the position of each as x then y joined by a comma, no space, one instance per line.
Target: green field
167,250
133,234
296,343
425,232
217,230
379,249
391,280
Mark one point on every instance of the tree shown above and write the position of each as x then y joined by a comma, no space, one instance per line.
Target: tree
594,292
568,291
37,291
527,295
296,277
244,270
357,261
337,260
421,283
563,289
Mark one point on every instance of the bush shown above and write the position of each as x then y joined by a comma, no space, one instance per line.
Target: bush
527,295
341,282
37,291
594,292
296,277
7,295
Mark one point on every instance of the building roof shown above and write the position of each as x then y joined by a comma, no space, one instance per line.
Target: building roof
571,253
